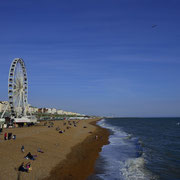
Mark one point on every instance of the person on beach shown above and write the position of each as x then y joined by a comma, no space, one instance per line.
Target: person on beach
29,156
5,136
14,137
22,168
25,168
22,149
28,167
9,136
39,150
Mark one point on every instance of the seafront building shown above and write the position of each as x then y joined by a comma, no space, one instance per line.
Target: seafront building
53,111
33,110
60,112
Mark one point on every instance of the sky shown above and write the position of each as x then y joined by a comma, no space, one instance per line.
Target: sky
96,57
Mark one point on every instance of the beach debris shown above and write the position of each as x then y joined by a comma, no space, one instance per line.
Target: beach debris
51,124
57,128
39,150
84,127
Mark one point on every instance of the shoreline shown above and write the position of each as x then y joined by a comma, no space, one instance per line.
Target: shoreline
80,162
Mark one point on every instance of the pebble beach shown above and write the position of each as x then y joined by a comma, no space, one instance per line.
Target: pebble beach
65,154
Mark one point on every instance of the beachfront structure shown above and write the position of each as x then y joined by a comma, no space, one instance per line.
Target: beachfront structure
32,110
42,110
60,112
18,92
2,121
53,111
49,110
18,88
3,105
70,113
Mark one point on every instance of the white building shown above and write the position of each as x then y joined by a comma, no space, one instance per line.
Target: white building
32,110
69,113
49,110
53,110
60,112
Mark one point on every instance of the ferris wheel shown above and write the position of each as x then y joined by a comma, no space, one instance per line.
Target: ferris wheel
18,88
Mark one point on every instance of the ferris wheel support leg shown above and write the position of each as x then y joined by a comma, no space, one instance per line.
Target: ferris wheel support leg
4,111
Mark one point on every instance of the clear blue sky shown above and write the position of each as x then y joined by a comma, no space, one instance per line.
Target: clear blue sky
97,57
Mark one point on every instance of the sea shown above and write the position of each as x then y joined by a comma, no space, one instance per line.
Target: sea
140,149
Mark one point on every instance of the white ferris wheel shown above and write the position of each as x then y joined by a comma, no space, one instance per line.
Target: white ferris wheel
18,88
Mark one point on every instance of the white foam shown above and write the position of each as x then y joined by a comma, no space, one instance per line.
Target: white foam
120,157
133,169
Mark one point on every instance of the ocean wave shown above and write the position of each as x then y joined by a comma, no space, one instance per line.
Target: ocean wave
123,158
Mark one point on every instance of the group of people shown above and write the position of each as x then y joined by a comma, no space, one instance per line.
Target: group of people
27,167
51,124
8,136
73,123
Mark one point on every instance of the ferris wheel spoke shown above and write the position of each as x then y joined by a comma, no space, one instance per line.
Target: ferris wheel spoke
19,101
15,84
16,94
